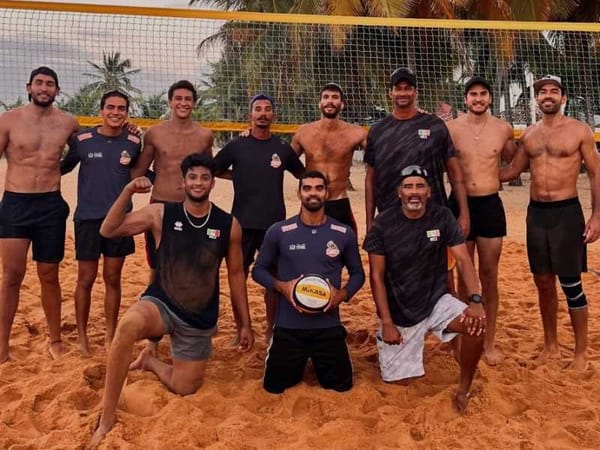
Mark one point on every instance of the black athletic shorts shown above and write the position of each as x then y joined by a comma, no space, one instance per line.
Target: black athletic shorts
41,218
290,349
486,214
89,245
555,242
251,242
341,210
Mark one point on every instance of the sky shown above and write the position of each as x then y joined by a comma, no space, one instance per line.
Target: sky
165,49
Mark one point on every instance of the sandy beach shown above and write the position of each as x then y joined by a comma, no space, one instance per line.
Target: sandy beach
46,404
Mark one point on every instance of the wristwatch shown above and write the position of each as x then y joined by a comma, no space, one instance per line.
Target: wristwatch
476,298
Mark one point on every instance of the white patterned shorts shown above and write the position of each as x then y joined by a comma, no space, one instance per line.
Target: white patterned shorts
405,360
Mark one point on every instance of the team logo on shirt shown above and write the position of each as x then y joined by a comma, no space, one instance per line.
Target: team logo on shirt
433,235
424,133
275,161
332,250
212,233
178,226
125,159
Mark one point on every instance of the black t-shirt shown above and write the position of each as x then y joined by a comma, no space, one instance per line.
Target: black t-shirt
187,264
415,259
393,144
258,167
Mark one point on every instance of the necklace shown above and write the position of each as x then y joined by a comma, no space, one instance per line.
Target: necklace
476,135
205,220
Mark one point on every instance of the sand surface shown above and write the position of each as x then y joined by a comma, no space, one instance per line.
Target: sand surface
55,404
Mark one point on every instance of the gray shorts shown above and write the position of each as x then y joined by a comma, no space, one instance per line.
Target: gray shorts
187,343
398,362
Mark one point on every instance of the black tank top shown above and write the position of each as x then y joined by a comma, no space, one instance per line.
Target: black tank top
187,264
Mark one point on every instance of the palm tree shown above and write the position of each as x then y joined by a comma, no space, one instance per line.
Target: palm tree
152,107
85,102
15,104
112,74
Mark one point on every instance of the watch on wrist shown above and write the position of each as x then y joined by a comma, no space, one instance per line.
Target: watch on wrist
476,298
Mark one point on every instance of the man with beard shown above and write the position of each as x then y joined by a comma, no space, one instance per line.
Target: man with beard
481,141
557,233
310,242
106,153
258,163
407,258
329,144
182,300
410,137
165,146
33,211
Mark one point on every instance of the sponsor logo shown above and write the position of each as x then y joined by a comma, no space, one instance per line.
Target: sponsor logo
178,226
332,250
297,247
433,235
212,233
275,161
125,158
290,227
93,155
313,291
339,228
424,133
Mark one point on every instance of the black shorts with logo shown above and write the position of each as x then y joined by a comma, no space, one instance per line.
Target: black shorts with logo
89,245
39,217
290,350
251,242
555,242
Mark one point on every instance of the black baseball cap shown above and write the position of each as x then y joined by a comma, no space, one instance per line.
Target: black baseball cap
477,80
403,74
44,70
262,97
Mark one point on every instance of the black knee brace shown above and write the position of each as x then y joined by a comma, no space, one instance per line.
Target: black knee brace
573,290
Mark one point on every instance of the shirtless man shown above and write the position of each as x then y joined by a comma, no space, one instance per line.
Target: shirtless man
481,140
33,210
557,233
329,145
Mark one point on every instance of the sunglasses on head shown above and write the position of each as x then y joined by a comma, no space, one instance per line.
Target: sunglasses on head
413,170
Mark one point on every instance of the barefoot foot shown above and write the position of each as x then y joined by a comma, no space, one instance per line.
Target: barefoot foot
492,357
461,400
102,430
579,364
84,348
546,355
140,361
56,349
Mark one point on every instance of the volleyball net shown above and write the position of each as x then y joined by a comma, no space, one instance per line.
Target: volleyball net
231,56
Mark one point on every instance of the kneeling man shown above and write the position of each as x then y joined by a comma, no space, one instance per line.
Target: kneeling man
408,263
182,300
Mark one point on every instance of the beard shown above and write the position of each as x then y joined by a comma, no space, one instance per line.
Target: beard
478,113
411,206
552,109
331,114
43,104
313,206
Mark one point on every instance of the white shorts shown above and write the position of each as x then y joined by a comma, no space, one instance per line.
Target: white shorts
405,360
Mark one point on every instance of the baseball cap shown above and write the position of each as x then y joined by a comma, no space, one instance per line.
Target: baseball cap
477,80
552,79
333,87
44,70
403,74
262,97
414,171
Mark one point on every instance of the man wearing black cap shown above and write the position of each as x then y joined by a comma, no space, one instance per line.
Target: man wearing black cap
407,258
481,140
32,209
408,136
258,163
329,145
557,233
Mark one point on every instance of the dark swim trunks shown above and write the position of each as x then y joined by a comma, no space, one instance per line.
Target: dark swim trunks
342,211
486,214
555,242
150,242
39,217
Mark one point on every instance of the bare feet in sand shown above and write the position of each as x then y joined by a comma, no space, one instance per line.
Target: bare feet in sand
546,355
492,357
140,361
461,400
579,364
84,348
56,349
104,427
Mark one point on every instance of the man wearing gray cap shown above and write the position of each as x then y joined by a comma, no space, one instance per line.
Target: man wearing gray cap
407,259
557,233
408,136
481,140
